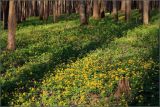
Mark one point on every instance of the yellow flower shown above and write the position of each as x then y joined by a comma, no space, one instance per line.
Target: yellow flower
130,61
44,92
24,94
147,65
116,78
32,89
33,99
110,84
101,75
85,76
121,70
82,98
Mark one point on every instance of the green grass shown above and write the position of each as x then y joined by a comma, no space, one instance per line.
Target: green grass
61,63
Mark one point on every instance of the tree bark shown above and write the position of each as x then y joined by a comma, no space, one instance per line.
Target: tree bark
128,10
103,8
46,10
159,5
115,9
77,7
123,5
83,12
41,10
69,7
54,12
19,11
145,12
11,26
1,13
23,10
96,9
89,8
33,7
5,9
140,6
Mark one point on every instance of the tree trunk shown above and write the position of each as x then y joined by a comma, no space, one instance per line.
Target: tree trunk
1,13
77,7
89,8
115,9
23,10
46,10
19,11
33,7
145,11
109,6
69,7
83,12
11,26
123,5
54,12
159,6
58,7
41,9
96,9
36,8
103,8
128,10
5,9
140,6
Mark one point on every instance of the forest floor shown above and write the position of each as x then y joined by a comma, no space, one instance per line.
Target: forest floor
68,64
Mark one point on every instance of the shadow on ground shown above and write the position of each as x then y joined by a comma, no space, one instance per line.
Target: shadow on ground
36,71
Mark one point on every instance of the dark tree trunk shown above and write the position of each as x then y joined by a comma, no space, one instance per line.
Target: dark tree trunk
1,13
46,10
140,6
83,12
115,9
159,5
103,8
41,10
5,9
23,10
77,7
36,9
11,26
109,6
69,7
19,11
89,8
54,11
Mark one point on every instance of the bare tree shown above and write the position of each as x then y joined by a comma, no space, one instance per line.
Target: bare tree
11,26
145,11
115,9
103,8
123,5
96,9
41,13
83,12
5,9
54,11
127,10
46,10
